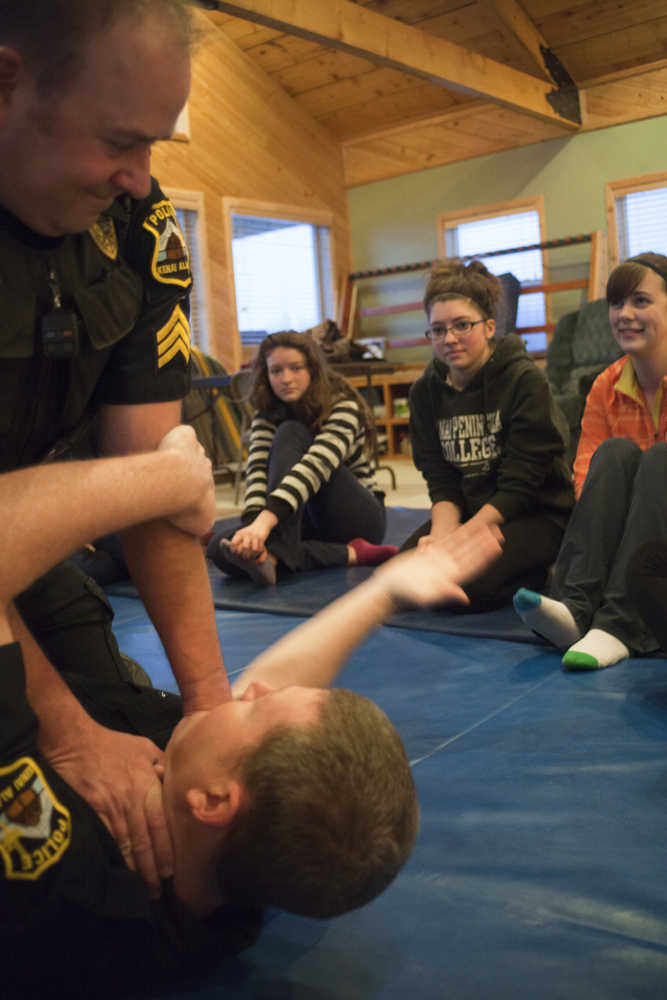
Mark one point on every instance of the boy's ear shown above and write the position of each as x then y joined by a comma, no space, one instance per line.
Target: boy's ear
216,806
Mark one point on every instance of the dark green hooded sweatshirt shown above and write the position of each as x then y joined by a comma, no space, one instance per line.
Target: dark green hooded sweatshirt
501,440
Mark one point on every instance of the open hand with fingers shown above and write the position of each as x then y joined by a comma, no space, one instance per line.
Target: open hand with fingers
117,774
249,542
434,573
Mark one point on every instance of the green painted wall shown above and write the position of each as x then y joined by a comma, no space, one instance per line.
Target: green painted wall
394,221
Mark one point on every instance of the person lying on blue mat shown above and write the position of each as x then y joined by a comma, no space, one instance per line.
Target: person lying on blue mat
287,795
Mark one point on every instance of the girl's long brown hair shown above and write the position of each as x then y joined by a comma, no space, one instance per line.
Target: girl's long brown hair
326,387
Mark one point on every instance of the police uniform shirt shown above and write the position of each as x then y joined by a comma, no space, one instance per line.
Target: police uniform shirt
87,319
74,920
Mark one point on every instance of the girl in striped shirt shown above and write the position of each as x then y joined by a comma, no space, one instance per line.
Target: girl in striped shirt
311,500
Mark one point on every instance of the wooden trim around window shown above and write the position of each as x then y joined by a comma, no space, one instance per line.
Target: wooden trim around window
448,220
274,210
194,201
618,189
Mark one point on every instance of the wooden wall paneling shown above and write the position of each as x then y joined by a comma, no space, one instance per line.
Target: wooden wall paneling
377,82
592,57
626,100
421,101
577,22
480,131
415,12
249,140
506,124
322,69
245,33
282,52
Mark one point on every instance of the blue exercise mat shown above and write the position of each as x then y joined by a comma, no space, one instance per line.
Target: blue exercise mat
539,871
306,593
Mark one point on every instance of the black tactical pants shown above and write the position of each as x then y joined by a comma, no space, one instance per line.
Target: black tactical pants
70,617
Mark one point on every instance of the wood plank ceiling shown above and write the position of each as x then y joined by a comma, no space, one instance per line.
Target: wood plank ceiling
409,84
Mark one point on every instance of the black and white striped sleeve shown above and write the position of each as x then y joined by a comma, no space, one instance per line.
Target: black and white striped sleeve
340,438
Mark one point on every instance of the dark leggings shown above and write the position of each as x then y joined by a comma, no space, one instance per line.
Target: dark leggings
315,536
647,587
621,507
531,545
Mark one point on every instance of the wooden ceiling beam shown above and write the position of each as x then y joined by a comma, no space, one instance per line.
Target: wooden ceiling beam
520,26
346,26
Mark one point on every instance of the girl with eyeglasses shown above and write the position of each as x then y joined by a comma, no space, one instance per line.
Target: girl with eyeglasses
311,500
486,435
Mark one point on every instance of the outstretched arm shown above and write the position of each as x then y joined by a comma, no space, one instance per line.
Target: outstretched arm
314,653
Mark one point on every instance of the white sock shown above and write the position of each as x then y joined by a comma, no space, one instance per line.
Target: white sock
549,618
597,649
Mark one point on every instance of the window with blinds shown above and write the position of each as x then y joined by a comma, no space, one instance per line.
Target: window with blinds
188,220
636,216
641,222
477,237
282,275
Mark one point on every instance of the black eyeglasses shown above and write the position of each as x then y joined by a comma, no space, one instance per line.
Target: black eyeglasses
460,327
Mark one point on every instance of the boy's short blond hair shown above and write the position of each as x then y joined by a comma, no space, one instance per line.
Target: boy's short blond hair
332,813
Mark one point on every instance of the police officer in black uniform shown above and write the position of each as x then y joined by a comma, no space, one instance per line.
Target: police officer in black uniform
74,920
94,354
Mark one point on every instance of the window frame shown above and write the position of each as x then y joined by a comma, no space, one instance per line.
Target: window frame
619,189
515,206
275,210
193,201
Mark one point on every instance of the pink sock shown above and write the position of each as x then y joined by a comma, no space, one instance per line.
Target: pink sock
371,555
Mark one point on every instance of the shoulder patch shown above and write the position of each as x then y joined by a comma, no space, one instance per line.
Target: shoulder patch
104,235
35,828
170,264
173,338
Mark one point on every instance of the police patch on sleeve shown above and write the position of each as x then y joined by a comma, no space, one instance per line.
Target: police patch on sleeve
35,828
173,338
170,264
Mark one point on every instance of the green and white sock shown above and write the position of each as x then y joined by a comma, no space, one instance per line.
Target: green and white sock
596,650
550,619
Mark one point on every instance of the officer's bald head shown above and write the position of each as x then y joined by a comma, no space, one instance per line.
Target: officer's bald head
52,35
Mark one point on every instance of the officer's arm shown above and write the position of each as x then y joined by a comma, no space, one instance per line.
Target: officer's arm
169,568
113,771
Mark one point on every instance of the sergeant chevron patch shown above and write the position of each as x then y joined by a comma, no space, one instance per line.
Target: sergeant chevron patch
173,338
170,264
35,828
